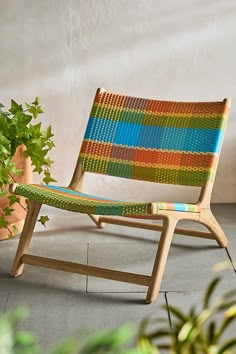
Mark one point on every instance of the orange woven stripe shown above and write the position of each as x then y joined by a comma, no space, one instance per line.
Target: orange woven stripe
185,107
96,148
194,108
175,158
107,99
103,150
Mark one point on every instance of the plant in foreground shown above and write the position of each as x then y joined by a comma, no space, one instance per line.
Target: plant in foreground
193,332
196,332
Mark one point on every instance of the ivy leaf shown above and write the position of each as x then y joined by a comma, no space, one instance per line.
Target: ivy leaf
43,219
36,101
35,110
50,145
16,231
47,134
39,110
8,211
1,105
47,179
15,107
48,162
3,222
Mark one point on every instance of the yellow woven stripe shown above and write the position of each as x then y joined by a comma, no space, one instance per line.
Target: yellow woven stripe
146,149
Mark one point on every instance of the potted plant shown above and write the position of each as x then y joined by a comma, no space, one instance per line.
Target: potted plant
24,146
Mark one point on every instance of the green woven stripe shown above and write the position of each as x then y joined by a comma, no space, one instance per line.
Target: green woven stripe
135,117
162,120
183,121
123,115
191,208
104,112
119,169
182,177
68,202
94,164
188,177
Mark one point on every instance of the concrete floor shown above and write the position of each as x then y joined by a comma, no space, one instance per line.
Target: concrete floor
60,303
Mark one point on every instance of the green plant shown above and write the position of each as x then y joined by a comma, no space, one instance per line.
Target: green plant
16,128
15,341
193,332
197,332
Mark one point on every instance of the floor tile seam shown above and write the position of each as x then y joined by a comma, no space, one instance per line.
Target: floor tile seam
167,309
6,303
231,260
87,262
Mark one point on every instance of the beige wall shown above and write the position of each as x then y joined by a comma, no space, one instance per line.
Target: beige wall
62,50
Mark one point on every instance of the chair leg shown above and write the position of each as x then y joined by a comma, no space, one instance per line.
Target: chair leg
25,238
96,220
169,225
208,219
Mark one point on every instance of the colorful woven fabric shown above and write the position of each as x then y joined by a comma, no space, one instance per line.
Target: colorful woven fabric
68,199
150,140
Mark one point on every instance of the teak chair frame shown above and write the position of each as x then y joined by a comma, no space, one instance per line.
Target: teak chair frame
170,219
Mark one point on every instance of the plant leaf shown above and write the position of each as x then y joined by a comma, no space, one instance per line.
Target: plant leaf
47,179
176,312
230,316
209,292
43,219
228,345
3,222
211,333
15,107
13,199
8,210
36,101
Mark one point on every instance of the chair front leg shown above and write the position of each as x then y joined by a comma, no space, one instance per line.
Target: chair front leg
25,238
169,225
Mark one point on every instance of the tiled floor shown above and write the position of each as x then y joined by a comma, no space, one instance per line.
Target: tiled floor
61,303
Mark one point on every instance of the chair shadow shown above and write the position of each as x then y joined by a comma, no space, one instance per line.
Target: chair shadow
89,229
21,287
102,232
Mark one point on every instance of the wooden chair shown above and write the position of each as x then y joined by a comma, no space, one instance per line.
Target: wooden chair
150,140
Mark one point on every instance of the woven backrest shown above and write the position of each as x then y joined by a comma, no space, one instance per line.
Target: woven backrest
152,140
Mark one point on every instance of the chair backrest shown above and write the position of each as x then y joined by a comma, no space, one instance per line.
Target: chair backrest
152,140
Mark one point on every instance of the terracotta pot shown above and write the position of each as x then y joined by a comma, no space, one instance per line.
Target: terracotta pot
18,216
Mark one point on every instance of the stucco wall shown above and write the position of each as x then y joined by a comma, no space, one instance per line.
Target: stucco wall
63,50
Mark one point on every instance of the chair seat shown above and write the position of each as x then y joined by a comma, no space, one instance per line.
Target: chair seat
69,199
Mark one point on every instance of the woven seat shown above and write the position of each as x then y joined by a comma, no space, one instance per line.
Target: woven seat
142,139
69,199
